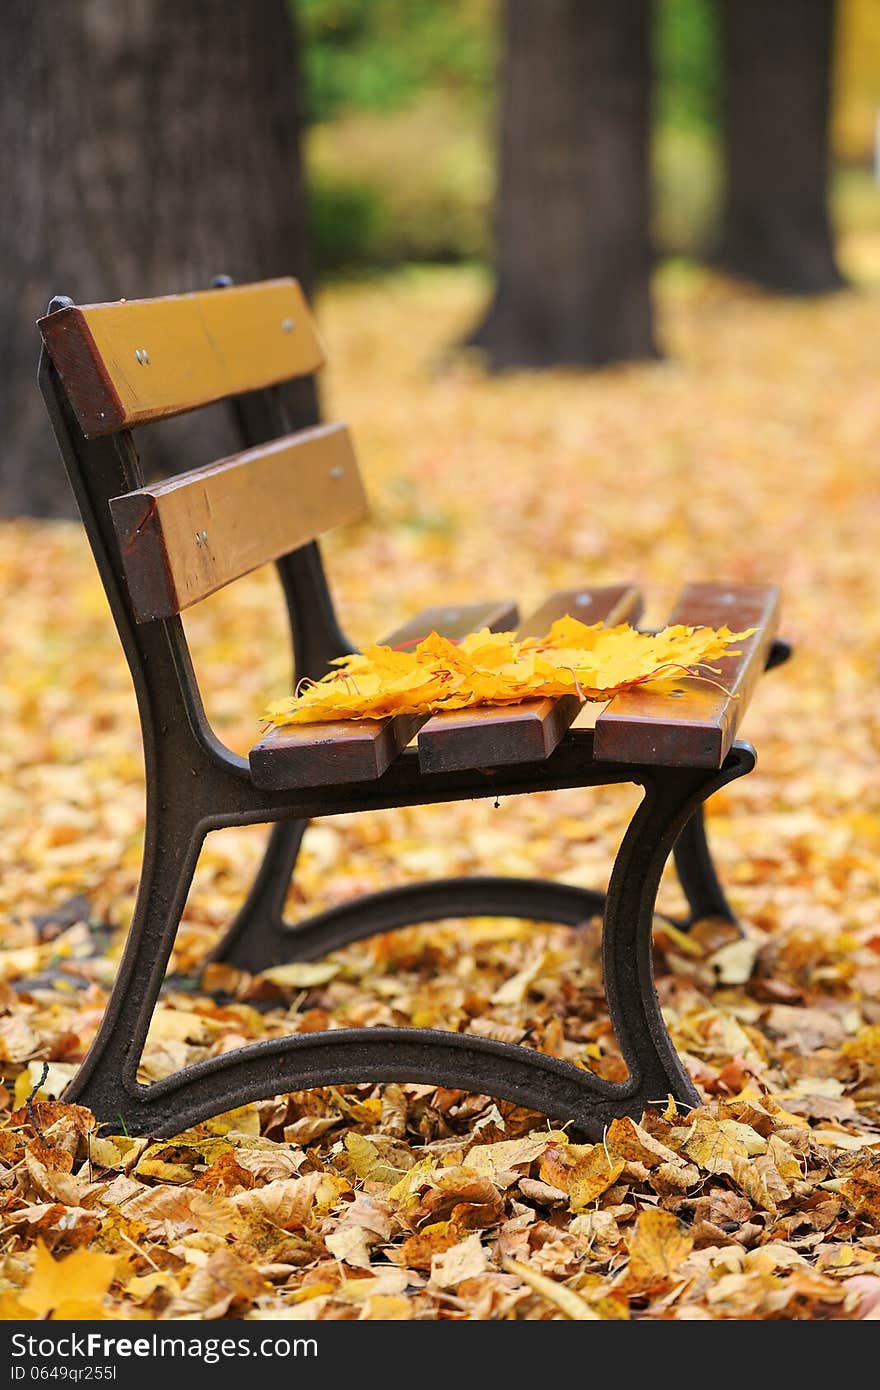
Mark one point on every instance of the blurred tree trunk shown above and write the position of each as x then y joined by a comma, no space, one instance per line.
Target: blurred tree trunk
571,220
144,148
776,228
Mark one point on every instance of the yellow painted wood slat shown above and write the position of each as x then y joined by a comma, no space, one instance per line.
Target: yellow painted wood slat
184,538
127,363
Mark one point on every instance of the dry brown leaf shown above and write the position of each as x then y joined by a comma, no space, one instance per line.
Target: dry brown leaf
861,1188
302,974
569,1303
657,1247
467,1259
628,1140
584,1171
501,1163
419,1250
367,1161
351,1245
386,1307
286,1202
224,1284
182,1209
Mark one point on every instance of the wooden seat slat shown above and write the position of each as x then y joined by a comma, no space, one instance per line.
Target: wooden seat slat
692,723
190,535
355,750
496,735
127,363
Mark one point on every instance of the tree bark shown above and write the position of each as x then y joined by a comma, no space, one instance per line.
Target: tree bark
144,148
776,227
572,210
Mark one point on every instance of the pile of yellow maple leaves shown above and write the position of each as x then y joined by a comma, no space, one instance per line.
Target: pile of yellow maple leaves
590,661
747,454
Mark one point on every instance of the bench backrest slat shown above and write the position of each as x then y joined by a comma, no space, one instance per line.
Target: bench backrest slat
188,536
127,363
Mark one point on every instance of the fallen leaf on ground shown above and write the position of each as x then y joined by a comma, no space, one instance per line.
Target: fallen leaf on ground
73,1287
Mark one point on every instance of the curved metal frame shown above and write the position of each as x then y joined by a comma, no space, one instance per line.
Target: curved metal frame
259,937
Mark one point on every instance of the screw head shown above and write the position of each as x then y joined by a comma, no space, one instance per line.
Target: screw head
138,356
287,325
337,471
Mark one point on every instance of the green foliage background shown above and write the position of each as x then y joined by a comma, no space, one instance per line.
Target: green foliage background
400,100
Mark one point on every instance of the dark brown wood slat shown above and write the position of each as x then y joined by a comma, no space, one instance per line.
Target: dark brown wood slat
693,724
184,538
318,755
359,750
138,360
493,736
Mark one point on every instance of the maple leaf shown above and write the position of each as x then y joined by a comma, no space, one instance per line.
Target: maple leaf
593,662
72,1288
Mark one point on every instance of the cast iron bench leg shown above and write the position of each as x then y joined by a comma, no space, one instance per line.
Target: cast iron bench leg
108,1077
696,873
254,939
694,863
670,803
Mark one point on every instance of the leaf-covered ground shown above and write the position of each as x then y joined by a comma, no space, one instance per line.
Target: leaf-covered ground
750,454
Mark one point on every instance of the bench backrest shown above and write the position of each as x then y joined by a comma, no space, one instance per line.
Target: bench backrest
136,362
108,368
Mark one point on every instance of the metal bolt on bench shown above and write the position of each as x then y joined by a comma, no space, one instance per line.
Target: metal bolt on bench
163,547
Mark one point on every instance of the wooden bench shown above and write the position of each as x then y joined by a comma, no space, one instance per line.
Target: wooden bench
160,548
